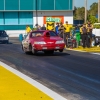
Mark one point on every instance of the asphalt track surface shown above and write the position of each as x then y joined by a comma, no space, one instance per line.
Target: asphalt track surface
73,75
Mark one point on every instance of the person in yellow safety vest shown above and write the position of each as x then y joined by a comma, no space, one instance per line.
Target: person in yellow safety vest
89,32
67,32
81,29
28,29
85,36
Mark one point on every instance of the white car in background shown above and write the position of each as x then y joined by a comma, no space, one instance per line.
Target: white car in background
96,32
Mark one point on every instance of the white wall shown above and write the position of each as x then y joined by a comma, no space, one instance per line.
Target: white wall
68,16
15,33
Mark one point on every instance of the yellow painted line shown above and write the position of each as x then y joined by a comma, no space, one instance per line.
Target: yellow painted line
14,85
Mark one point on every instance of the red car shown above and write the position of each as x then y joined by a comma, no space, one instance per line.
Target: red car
46,41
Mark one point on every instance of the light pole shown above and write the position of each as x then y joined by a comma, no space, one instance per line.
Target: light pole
36,12
98,10
85,11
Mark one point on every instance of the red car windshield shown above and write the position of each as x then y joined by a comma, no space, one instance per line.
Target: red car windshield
40,33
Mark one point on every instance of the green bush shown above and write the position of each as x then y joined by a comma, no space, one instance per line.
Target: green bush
92,19
97,26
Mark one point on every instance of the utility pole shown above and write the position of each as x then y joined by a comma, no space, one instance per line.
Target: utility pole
85,11
36,12
98,10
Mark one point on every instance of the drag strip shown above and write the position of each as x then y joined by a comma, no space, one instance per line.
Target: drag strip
73,75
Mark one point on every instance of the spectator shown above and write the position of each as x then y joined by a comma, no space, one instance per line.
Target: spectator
28,29
67,32
43,27
56,28
84,36
89,31
77,27
39,27
61,30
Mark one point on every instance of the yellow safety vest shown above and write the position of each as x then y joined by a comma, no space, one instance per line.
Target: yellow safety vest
68,28
88,27
81,30
28,29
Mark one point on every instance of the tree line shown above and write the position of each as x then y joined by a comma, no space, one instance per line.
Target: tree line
79,13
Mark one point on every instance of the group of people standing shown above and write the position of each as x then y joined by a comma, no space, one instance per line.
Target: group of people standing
28,29
63,30
86,34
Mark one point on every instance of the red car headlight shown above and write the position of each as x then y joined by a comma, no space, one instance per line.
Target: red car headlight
41,42
59,42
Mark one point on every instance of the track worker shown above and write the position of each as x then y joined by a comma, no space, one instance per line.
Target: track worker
28,29
67,32
89,31
81,33
84,36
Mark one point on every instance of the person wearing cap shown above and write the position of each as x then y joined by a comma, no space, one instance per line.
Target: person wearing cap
89,31
67,32
84,36
43,27
61,29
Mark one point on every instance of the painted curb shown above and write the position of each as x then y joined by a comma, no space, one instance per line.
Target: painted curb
34,83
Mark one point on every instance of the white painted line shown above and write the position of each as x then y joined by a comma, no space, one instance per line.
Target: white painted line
39,86
96,53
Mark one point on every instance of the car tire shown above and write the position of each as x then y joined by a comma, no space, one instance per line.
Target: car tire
49,52
26,52
7,42
61,50
33,50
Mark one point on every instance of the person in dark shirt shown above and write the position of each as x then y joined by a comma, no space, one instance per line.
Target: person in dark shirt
61,30
56,28
43,27
85,36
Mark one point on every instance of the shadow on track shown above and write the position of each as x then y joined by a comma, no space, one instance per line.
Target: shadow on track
40,54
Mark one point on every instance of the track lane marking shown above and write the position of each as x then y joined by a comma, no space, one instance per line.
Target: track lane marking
34,83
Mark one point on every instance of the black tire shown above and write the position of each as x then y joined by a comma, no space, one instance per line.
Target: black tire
26,52
61,50
33,51
7,42
49,52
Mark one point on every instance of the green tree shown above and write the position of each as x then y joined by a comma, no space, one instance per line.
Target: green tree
92,19
93,9
74,12
79,13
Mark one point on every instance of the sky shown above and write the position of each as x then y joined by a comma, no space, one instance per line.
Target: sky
80,3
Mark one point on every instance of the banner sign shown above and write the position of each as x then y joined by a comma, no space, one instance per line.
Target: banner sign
50,26
53,19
